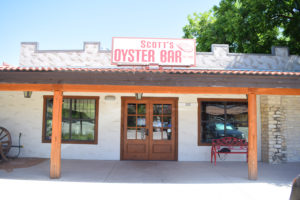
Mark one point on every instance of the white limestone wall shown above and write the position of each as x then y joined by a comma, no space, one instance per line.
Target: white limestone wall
280,128
19,114
219,58
291,127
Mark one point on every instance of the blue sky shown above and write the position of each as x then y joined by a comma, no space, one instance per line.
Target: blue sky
66,24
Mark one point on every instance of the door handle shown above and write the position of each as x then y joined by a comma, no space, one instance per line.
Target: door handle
147,132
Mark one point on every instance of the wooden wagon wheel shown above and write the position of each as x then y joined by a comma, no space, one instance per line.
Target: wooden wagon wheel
5,142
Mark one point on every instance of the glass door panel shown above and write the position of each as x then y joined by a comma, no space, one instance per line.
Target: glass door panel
141,133
156,134
131,133
162,122
153,117
136,121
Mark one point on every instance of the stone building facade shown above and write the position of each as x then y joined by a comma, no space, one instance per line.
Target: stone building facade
219,58
278,125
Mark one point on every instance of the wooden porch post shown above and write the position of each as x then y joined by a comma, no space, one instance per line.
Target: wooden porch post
55,159
252,137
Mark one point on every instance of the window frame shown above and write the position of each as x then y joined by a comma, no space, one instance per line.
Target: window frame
200,100
95,141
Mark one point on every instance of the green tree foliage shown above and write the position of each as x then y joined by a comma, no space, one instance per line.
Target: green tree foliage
248,26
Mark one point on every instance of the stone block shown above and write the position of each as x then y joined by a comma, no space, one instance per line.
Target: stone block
272,126
277,146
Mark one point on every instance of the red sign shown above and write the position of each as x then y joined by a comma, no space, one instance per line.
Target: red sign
153,51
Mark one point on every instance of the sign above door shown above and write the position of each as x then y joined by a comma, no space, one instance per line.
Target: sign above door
153,51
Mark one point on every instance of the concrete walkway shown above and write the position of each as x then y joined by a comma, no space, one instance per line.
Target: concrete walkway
151,180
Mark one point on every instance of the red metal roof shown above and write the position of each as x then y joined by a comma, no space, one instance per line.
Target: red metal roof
7,67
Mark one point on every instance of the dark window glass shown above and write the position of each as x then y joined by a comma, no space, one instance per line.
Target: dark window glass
167,122
48,129
131,109
49,108
141,109
167,109
223,119
131,121
78,119
157,109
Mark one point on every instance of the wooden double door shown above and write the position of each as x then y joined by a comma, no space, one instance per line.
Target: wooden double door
149,129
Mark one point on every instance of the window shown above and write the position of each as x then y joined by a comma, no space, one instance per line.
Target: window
222,118
79,119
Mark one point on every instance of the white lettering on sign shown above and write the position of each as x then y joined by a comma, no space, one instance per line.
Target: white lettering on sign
155,51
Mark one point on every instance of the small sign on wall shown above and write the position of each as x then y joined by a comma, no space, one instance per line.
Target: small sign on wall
153,51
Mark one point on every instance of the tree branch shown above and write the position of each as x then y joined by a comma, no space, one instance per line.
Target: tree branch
284,16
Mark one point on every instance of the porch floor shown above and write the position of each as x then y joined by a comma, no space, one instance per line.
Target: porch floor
119,179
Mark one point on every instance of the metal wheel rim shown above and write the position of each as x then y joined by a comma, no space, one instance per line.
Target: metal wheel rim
5,140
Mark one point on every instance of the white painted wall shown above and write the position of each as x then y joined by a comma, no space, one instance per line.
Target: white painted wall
19,114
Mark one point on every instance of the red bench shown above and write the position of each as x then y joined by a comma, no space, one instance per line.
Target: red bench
230,145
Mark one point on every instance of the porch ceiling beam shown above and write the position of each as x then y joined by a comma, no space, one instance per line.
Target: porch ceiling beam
150,79
148,89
